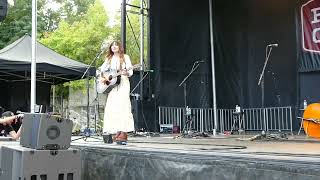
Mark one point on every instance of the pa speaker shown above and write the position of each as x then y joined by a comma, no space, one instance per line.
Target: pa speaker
45,131
3,9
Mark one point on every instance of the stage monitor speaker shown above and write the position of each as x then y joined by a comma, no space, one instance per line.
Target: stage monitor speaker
45,131
3,9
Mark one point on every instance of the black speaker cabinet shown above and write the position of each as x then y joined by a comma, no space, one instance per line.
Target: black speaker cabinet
144,115
45,131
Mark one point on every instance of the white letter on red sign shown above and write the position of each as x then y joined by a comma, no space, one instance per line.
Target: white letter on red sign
316,15
314,35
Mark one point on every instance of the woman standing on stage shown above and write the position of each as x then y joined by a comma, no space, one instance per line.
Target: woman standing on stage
118,118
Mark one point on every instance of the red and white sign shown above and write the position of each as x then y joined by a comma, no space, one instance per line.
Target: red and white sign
310,21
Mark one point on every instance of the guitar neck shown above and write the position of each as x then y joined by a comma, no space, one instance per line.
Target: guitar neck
132,67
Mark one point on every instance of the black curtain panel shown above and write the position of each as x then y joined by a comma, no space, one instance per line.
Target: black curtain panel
242,30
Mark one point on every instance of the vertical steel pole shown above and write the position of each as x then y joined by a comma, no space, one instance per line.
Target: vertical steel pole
88,102
33,56
148,49
141,47
53,98
123,24
214,103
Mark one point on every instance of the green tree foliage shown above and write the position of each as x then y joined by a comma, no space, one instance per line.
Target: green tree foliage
50,19
19,19
74,10
18,22
68,10
80,40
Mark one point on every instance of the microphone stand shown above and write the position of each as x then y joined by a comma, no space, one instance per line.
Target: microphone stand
261,79
194,67
147,73
93,61
87,131
183,82
276,88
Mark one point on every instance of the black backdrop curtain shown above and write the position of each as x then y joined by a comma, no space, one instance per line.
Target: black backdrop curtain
179,37
242,30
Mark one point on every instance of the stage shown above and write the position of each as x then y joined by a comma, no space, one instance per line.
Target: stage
221,157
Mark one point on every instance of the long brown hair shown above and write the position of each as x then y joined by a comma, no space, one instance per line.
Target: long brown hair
109,53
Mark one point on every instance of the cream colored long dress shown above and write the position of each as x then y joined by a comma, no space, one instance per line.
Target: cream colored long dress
117,112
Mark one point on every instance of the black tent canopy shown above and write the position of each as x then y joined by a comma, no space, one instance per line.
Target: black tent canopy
52,68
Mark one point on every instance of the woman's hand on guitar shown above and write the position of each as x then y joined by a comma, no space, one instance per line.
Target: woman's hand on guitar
103,80
125,72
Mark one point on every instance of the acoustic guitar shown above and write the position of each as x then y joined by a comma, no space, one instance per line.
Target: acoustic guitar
113,79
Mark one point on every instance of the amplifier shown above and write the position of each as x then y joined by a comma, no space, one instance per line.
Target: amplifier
20,163
45,131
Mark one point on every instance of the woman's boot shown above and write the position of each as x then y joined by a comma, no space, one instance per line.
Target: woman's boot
122,138
115,137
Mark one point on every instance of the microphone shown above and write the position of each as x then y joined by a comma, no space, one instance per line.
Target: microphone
199,61
273,45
